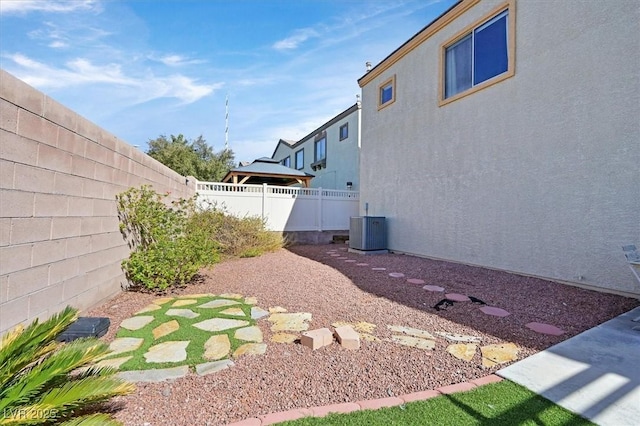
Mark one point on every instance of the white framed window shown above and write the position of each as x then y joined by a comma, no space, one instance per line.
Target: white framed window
479,56
300,159
387,92
344,131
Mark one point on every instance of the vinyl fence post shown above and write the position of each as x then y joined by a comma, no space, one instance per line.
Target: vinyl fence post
320,209
264,199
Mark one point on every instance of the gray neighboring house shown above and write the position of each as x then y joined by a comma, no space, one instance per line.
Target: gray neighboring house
331,152
507,135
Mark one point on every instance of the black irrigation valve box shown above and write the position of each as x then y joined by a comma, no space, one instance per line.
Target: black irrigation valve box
85,327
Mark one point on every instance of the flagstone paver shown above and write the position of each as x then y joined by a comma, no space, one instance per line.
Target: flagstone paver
249,334
136,323
183,302
154,375
236,312
220,324
167,352
114,362
497,312
125,344
250,349
257,313
498,354
149,308
378,269
434,288
277,310
463,351
217,347
396,275
163,300
251,300
213,367
415,342
457,297
232,296
165,329
415,332
218,303
542,328
195,296
415,281
298,321
458,338
284,338
184,313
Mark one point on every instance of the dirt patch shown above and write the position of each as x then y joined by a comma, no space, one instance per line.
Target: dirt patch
308,279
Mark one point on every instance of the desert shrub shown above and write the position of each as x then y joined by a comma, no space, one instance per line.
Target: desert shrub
236,236
166,250
40,382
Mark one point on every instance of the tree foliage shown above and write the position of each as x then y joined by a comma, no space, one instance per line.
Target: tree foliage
191,158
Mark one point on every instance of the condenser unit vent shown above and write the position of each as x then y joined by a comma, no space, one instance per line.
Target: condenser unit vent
368,233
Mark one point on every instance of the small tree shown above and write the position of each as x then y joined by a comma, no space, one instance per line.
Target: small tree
191,158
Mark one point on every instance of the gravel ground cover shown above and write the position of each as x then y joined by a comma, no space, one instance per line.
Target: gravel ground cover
312,279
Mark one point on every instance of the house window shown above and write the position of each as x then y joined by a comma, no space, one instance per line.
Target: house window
321,149
480,56
286,161
387,92
344,131
300,159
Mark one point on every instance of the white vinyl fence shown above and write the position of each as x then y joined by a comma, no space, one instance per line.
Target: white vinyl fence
283,208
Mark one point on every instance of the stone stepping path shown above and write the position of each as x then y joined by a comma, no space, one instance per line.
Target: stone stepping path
545,328
298,321
158,341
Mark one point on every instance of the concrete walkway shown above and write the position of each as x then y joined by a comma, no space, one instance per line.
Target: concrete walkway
595,374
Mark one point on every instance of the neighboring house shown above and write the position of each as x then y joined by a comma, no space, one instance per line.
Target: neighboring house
331,152
507,135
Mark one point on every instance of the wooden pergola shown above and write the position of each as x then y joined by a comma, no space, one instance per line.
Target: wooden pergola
269,171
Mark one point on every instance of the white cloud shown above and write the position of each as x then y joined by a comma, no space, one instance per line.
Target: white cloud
81,71
298,37
57,6
174,60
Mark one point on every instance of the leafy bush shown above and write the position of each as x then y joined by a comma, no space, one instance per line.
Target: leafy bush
39,382
236,237
167,251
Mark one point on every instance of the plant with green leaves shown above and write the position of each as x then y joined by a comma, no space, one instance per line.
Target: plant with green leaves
166,250
46,382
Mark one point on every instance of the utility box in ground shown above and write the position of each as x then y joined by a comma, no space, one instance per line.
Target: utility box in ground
85,327
368,233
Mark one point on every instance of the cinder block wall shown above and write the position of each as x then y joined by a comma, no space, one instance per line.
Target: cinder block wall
59,174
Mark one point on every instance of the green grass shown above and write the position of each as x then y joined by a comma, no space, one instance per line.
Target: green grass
196,337
503,403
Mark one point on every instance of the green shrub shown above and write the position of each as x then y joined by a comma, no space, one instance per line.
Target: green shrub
40,382
236,237
166,250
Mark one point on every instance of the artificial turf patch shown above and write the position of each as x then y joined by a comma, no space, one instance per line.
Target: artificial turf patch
186,332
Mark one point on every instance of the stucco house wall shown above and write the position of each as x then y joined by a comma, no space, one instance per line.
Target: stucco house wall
60,242
343,156
537,174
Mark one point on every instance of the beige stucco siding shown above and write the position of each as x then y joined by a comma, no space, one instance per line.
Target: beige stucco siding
538,174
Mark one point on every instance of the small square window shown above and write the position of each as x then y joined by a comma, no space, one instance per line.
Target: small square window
387,92
286,161
300,159
344,131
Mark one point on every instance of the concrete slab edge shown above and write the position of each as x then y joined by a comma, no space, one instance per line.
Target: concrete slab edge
371,404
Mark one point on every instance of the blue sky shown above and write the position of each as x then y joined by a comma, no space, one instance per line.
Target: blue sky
145,68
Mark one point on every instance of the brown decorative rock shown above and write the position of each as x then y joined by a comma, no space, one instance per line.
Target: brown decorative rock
283,338
165,328
217,347
497,312
456,297
498,354
542,328
348,337
251,349
463,351
183,302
